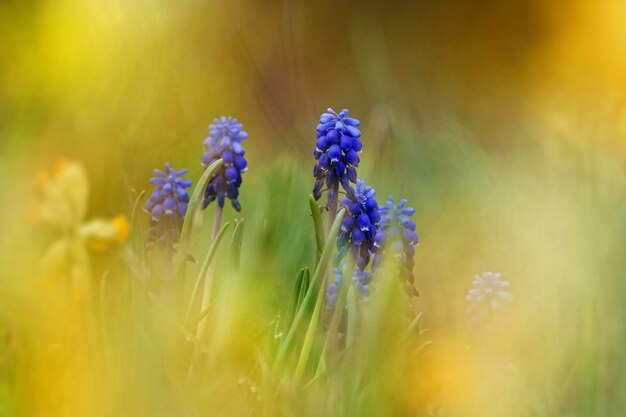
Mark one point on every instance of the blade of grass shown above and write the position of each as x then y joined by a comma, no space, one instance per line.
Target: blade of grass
231,296
192,208
306,283
318,224
333,328
338,311
294,302
310,333
351,301
353,318
195,320
235,246
133,219
203,275
320,271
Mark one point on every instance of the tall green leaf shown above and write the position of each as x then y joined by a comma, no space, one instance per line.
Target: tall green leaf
203,274
320,273
318,225
299,292
193,206
235,246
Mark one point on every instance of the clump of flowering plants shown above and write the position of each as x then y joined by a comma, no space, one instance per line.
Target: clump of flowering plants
334,319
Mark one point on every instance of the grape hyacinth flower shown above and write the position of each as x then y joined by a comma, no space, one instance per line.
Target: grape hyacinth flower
488,294
333,287
224,141
336,151
167,206
397,237
360,225
360,277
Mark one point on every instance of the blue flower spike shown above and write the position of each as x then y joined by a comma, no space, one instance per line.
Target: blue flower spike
167,206
337,154
398,236
360,225
224,141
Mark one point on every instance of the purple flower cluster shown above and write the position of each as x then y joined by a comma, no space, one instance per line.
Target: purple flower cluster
336,151
167,205
397,237
224,141
360,277
332,289
360,225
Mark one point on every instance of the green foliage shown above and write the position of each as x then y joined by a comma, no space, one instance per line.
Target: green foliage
235,246
318,225
319,274
194,205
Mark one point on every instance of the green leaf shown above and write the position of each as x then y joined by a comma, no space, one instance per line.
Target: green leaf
299,291
318,224
235,246
203,274
193,206
310,333
320,273
304,288
295,298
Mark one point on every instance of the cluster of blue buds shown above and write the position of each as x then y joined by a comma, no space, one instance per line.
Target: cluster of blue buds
360,225
397,235
224,141
360,277
167,206
337,153
333,288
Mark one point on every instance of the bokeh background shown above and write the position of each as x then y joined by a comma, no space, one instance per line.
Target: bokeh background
503,123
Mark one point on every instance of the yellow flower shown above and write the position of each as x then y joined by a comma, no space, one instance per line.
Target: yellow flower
100,233
62,196
62,205
123,228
